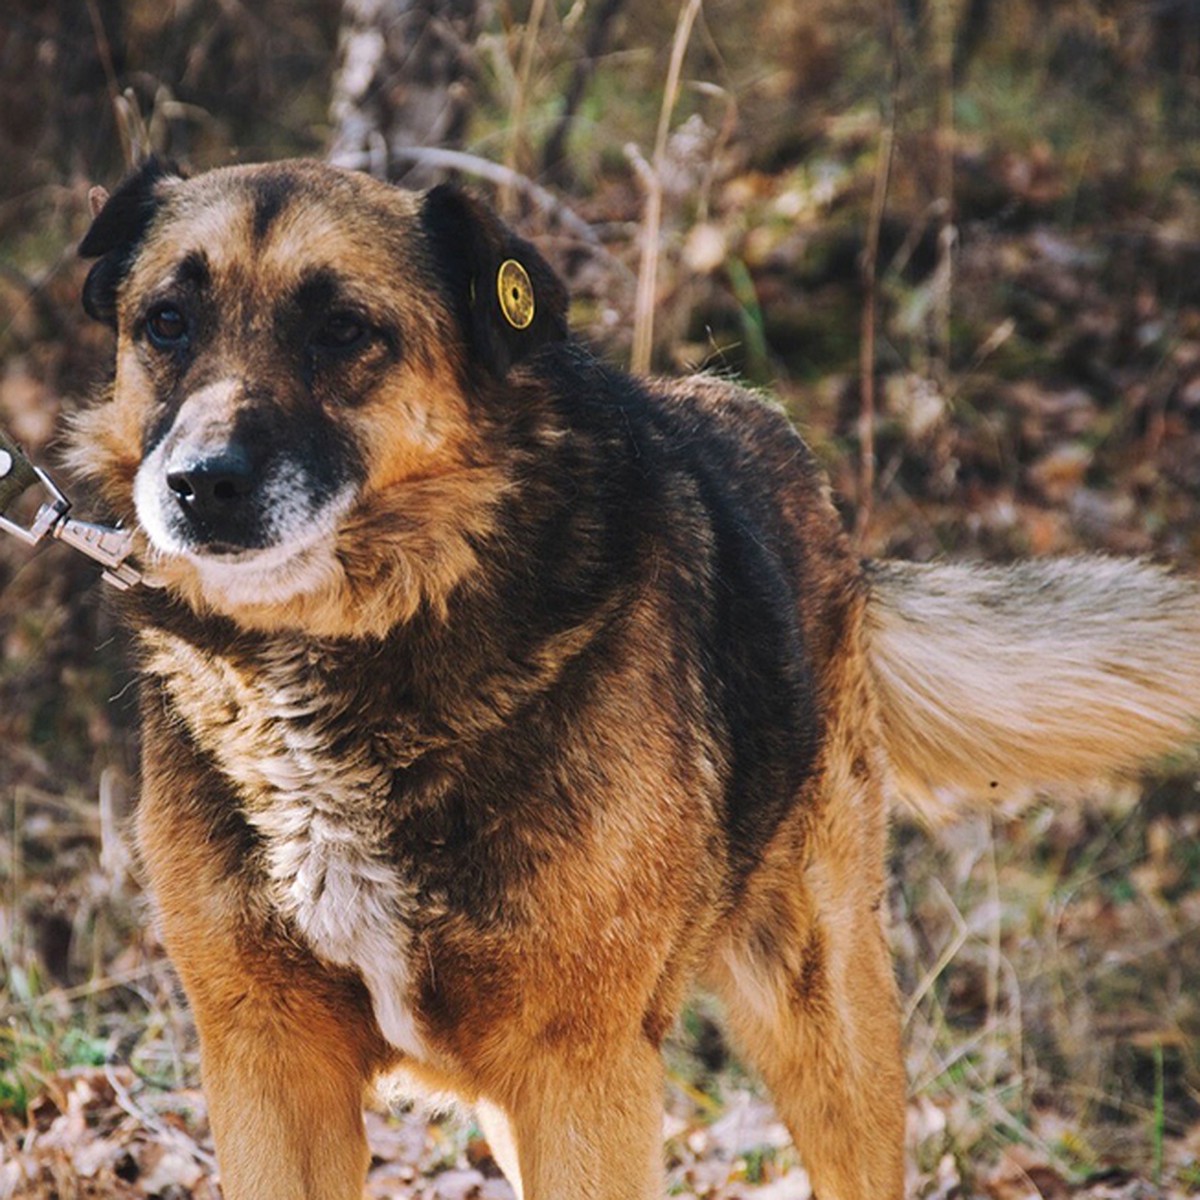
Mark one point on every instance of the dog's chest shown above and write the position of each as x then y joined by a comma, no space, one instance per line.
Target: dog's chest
315,789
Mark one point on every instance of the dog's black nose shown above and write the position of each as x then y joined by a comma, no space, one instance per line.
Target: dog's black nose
213,487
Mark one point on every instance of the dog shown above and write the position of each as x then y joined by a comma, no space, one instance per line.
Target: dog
493,699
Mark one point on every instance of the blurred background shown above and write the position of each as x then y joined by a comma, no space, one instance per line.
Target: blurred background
959,240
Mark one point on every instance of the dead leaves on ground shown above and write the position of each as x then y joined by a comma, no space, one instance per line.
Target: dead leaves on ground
102,1134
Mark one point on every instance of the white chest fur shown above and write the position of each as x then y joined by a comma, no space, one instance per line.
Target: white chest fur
321,812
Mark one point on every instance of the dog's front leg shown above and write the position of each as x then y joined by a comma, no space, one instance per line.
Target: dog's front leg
583,1124
287,1045
286,1052
285,1092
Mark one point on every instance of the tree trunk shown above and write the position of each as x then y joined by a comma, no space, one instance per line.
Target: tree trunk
406,76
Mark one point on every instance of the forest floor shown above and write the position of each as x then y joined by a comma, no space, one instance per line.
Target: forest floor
1049,959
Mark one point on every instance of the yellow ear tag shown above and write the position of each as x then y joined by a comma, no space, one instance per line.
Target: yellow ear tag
515,290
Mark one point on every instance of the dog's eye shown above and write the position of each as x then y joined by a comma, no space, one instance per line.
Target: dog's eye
340,331
167,327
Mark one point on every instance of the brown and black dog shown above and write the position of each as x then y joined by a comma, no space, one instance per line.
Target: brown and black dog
494,699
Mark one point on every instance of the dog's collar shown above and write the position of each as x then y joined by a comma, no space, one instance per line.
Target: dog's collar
109,547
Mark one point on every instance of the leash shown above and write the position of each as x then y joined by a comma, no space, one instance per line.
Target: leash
108,546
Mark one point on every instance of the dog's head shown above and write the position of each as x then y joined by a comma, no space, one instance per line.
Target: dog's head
308,362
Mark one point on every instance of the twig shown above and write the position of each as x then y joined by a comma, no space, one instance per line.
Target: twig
521,98
554,158
727,93
115,856
643,311
866,348
483,168
502,176
82,991
992,977
17,882
870,280
962,933
944,13
987,348
104,51
135,136
164,1132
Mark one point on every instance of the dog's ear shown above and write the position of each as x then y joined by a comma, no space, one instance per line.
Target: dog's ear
115,233
505,295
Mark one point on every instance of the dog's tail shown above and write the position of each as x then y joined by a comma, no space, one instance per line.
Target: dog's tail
993,680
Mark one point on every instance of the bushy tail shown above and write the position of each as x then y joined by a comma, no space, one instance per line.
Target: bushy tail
992,680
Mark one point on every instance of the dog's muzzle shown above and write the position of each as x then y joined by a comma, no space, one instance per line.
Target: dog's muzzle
213,490
218,499
237,482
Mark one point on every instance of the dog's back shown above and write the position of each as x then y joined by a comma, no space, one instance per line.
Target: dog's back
989,680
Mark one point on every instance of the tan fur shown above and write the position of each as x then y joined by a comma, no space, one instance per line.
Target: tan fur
817,1016
289,1048
995,679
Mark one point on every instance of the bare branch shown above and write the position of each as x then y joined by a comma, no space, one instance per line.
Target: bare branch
643,313
869,268
516,122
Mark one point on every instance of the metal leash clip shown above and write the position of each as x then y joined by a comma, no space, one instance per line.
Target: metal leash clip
108,546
